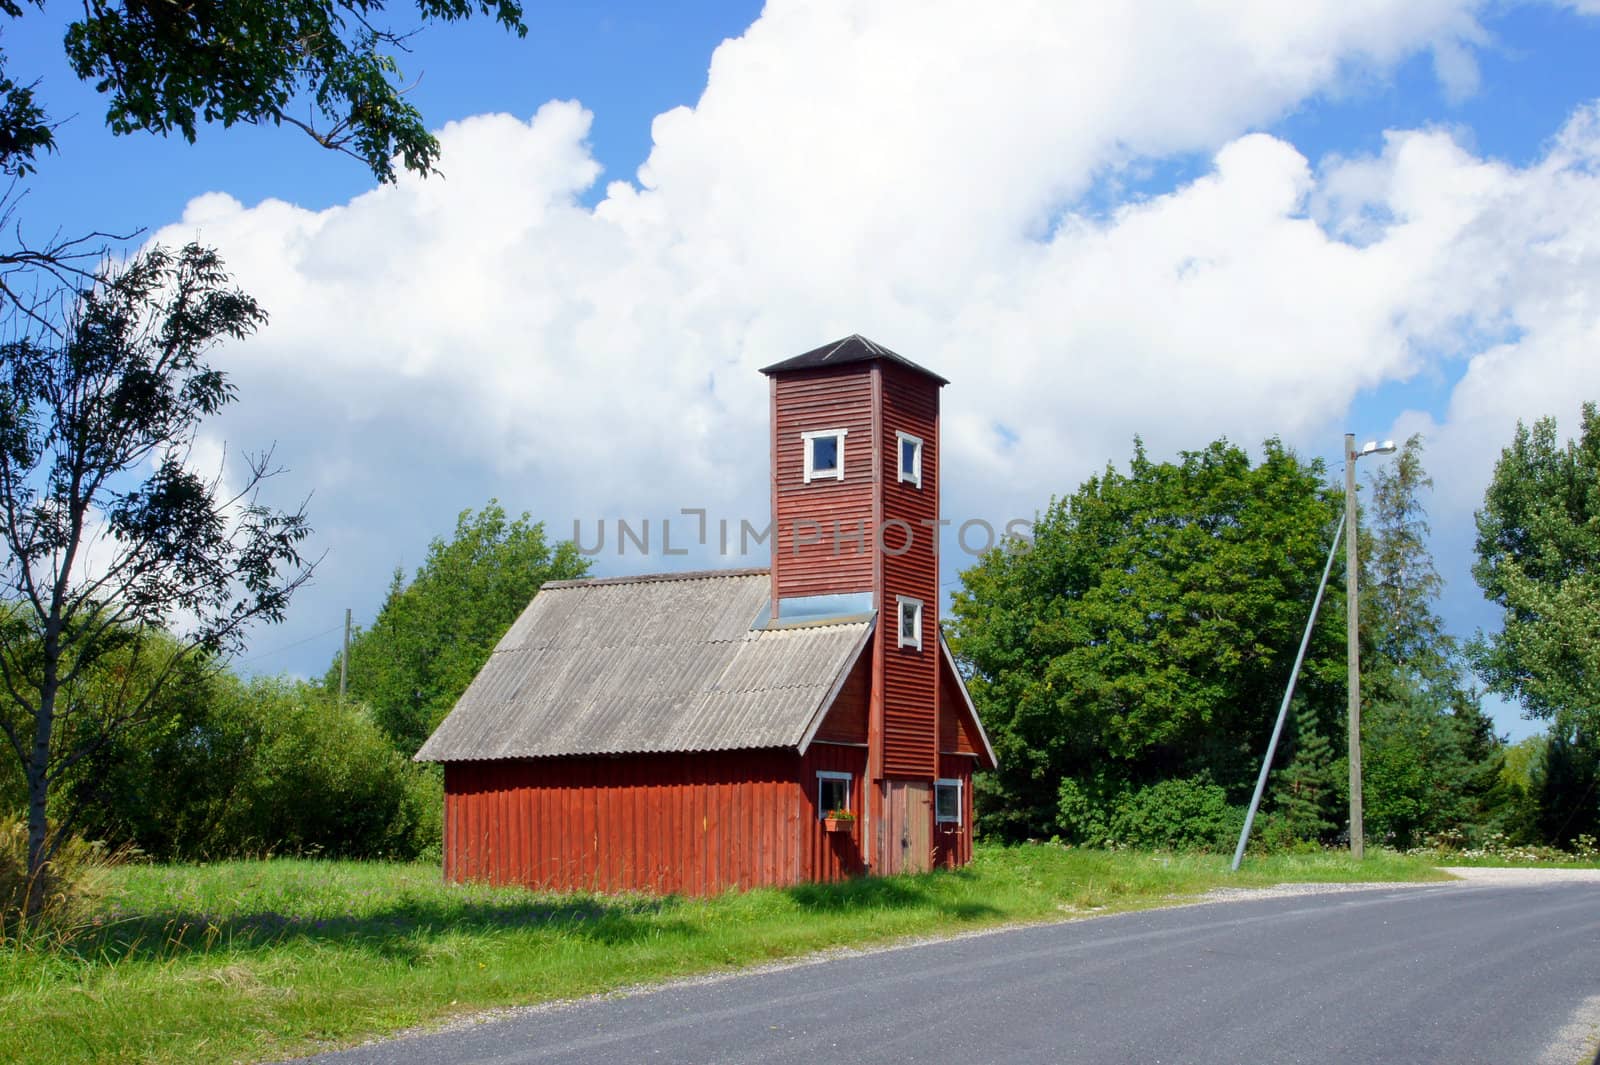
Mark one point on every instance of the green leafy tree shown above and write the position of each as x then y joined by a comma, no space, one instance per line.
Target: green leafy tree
318,778
222,767
1539,559
433,635
329,68
1148,630
112,541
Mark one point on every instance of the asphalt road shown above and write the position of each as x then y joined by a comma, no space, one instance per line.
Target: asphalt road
1453,973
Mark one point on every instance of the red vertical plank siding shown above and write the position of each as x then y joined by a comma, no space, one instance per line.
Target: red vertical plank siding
691,823
910,676
805,402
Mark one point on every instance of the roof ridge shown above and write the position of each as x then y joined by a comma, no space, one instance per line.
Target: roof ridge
652,578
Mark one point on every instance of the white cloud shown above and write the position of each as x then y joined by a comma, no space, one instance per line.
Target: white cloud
911,171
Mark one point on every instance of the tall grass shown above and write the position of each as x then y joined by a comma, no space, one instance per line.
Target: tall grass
253,960
71,885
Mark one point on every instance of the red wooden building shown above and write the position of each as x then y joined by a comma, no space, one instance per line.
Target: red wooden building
692,732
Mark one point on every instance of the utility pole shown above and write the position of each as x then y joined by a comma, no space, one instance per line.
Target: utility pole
1352,571
1353,646
344,657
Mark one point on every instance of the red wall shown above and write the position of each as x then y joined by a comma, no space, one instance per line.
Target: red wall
806,402
910,677
693,824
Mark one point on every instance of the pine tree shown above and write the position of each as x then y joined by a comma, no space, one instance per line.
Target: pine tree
1305,793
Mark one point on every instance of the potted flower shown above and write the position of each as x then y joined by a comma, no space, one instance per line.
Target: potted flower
839,821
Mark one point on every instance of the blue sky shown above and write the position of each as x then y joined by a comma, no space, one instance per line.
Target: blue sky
831,137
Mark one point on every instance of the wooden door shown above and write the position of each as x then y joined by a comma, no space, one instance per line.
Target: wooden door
909,826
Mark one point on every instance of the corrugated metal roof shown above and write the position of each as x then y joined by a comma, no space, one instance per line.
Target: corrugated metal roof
649,664
853,348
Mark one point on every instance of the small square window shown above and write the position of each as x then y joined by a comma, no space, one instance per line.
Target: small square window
824,455
947,802
910,622
910,459
833,792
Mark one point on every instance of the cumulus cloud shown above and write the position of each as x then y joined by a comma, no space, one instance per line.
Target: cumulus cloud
914,172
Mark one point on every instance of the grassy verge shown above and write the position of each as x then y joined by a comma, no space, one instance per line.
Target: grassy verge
262,960
1496,861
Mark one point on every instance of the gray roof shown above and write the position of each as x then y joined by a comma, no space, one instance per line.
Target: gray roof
649,664
853,348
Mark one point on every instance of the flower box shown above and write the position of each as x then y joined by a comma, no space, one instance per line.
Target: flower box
839,824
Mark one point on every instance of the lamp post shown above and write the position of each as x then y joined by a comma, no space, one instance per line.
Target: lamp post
1358,847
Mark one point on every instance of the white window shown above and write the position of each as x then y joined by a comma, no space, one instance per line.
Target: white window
910,622
910,459
833,792
824,454
947,801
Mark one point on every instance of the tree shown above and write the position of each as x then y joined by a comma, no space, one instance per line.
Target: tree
1430,749
1305,791
1566,785
433,635
111,538
1148,631
325,67
1539,559
1400,584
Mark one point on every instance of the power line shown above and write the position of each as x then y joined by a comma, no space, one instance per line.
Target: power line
289,646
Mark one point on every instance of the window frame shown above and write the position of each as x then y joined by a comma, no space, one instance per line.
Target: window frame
849,787
808,444
912,477
949,782
901,602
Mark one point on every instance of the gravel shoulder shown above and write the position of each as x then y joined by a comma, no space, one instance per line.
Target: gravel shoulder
1463,874
1529,877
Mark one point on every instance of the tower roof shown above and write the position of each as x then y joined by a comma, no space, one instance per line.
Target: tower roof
853,348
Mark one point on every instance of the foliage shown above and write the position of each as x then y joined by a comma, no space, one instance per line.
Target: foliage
1187,813
269,960
1400,584
433,635
1430,750
111,536
1568,788
1417,778
1306,792
228,768
1538,544
166,68
321,779
1148,631
325,67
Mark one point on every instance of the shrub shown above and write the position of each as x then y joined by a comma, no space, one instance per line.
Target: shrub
1185,813
324,779
1081,814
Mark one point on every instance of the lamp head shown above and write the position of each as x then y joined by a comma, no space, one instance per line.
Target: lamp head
1372,447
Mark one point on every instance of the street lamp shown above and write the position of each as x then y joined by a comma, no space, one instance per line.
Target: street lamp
1352,631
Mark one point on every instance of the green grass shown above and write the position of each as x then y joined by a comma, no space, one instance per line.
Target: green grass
1498,861
254,960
